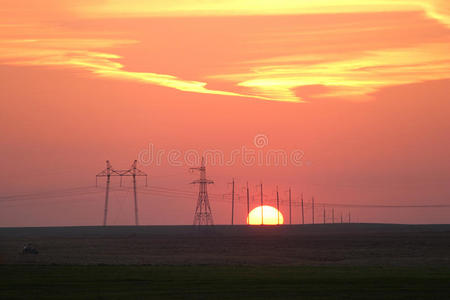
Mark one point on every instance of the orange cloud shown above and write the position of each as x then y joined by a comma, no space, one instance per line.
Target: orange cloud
438,9
73,53
354,77
348,55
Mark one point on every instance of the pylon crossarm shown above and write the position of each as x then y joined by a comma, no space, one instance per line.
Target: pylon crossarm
110,172
102,173
205,181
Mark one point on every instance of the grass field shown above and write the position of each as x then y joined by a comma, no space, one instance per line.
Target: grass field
331,244
335,261
222,282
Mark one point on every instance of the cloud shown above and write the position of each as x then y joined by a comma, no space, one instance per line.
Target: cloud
437,9
349,56
349,78
73,53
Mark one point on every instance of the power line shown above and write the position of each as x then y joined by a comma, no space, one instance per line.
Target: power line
44,194
178,193
163,191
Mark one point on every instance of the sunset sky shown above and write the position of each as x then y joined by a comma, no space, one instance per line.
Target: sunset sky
361,89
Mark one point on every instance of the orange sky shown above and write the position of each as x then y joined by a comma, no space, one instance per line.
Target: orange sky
361,88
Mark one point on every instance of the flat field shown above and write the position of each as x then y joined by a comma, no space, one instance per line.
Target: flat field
223,282
335,261
333,244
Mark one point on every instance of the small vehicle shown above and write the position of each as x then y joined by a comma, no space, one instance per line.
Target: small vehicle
29,249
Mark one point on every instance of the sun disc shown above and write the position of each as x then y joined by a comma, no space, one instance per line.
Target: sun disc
265,215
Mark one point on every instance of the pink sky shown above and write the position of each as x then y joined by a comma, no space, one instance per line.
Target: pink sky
361,90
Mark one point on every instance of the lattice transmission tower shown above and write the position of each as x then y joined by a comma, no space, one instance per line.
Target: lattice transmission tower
203,214
134,172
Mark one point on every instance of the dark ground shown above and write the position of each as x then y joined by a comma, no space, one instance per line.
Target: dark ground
335,261
333,244
223,282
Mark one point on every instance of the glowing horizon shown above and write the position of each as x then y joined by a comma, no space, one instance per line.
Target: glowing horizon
265,215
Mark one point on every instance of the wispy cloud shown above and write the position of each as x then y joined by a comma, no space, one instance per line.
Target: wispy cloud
437,9
351,78
350,56
73,53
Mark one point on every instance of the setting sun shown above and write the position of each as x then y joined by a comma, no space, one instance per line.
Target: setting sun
268,214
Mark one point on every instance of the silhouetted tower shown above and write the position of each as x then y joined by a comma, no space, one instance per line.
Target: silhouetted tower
133,171
313,210
203,214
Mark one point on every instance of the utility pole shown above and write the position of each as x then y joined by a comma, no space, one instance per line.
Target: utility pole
342,221
133,171
203,214
290,208
262,206
313,210
136,214
108,180
248,201
324,220
349,217
232,205
278,207
332,213
303,215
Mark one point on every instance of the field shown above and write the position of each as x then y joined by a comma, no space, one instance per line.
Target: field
223,282
335,261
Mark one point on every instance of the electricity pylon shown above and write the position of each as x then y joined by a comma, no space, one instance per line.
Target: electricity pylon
133,171
203,214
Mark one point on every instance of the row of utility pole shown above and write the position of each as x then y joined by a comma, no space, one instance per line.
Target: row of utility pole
278,207
203,213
